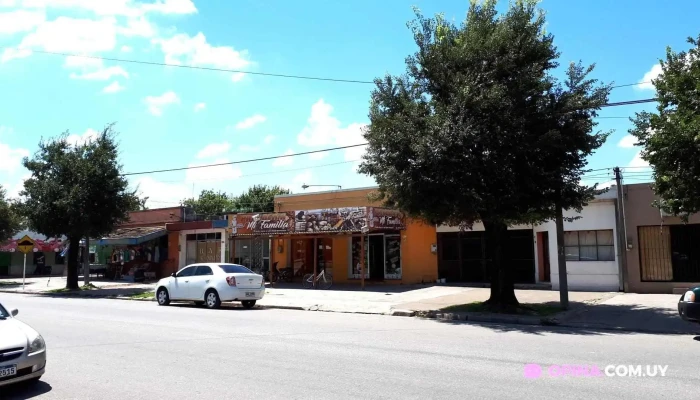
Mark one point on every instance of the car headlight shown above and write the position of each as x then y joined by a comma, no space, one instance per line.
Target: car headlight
37,345
689,296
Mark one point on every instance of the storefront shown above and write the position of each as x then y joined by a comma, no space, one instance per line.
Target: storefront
198,242
46,259
133,253
332,240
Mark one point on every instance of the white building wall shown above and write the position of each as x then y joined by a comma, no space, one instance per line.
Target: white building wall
182,259
585,275
601,276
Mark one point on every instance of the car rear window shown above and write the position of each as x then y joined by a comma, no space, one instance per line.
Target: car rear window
235,269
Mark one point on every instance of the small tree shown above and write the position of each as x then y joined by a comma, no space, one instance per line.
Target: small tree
478,130
10,219
211,203
669,136
259,198
77,191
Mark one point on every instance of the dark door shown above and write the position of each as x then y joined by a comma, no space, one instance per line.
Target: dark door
376,257
545,256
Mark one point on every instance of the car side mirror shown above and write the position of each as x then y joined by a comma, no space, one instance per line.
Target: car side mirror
173,275
14,312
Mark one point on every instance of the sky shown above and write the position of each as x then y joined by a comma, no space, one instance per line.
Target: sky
172,117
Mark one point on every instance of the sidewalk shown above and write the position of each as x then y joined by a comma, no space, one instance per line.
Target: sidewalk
54,284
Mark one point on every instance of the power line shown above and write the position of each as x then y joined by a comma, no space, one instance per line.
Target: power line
242,161
289,76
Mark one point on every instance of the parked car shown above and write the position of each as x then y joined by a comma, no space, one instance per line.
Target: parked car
210,284
689,305
22,350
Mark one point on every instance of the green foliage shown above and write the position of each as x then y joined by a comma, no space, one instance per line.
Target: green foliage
477,129
11,221
77,191
259,198
211,203
671,136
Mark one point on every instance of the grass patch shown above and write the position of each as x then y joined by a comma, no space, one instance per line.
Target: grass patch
89,286
539,310
144,295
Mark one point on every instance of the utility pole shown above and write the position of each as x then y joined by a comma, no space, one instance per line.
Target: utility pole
561,256
86,261
620,224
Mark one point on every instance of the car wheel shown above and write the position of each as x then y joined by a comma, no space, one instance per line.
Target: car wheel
198,303
163,297
212,299
248,304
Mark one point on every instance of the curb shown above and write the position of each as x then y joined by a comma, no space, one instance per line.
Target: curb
488,318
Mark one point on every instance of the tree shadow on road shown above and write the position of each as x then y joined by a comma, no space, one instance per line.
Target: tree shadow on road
601,319
25,391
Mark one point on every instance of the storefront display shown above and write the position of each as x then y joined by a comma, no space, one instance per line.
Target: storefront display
392,264
348,219
355,267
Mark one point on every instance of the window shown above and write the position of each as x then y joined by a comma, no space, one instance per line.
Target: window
204,270
189,271
589,245
235,269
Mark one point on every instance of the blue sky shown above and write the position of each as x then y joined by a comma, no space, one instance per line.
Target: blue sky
174,117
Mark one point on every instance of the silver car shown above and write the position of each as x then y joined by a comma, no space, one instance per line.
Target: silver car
22,350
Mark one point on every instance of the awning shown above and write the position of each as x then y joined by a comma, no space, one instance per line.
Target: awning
132,236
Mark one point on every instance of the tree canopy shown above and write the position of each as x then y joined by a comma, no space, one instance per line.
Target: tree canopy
670,136
10,219
77,191
259,198
478,129
211,203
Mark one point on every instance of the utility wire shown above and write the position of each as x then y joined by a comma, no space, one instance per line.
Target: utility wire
290,76
242,161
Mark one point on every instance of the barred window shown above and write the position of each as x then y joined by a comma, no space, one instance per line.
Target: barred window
589,245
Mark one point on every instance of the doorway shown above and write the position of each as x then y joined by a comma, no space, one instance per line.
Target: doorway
543,256
375,247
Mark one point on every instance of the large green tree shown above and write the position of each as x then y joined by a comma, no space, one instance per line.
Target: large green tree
10,218
259,198
670,137
76,190
211,203
477,129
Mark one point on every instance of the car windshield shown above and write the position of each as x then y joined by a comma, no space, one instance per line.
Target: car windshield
235,269
3,313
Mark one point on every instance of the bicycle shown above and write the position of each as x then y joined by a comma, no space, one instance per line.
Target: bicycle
323,280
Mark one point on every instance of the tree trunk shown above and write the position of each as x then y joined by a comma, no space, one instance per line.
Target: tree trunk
73,250
502,286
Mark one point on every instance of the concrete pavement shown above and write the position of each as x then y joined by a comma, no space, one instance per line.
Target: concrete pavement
111,349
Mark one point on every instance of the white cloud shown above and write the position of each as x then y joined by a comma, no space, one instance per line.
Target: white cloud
73,35
323,129
637,161
11,158
14,54
157,191
304,178
137,27
268,139
246,148
126,49
171,7
199,107
19,21
183,49
127,8
82,62
13,191
653,73
284,161
238,76
628,141
103,74
213,150
86,137
156,104
251,121
221,173
113,87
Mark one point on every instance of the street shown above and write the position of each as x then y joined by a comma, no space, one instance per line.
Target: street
116,349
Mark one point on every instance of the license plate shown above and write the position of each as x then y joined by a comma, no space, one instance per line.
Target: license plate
8,371
249,294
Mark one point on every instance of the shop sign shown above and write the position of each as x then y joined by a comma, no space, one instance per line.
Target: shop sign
261,223
386,218
346,219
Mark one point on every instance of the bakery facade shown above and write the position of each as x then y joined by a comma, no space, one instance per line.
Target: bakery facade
330,231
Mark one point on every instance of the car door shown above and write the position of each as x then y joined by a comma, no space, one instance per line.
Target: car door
181,283
199,282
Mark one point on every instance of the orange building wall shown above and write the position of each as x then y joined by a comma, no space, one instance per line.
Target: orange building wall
419,264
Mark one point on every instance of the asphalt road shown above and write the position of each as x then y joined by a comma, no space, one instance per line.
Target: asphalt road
116,349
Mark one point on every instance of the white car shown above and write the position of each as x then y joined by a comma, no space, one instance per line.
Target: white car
22,350
210,284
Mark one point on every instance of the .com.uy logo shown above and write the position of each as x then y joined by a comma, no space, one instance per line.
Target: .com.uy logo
534,371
